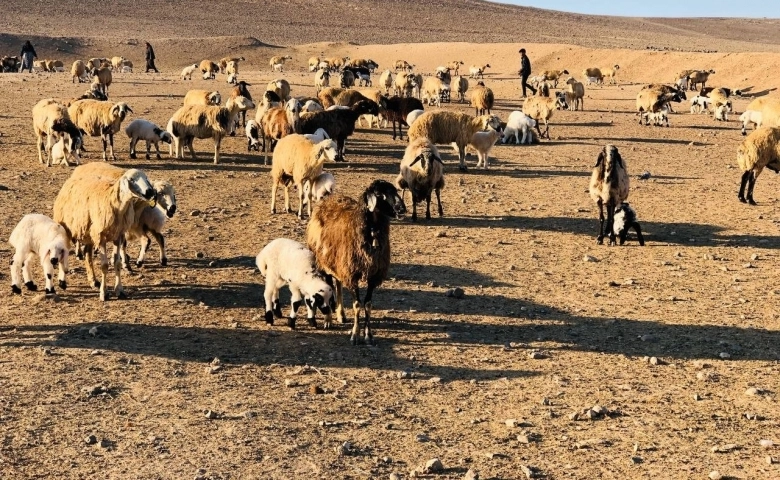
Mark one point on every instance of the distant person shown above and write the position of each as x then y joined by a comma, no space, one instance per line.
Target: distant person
150,59
525,72
28,55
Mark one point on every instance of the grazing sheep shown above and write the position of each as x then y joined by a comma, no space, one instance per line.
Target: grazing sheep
96,209
287,262
277,62
608,188
431,91
277,123
748,117
337,63
422,172
346,79
403,65
296,160
99,119
575,94
518,122
594,75
396,109
478,72
386,81
202,97
102,77
651,99
252,135
331,96
79,72
374,95
126,66
209,69
442,127
462,86
700,104
404,84
281,87
541,108
199,121
660,89
52,122
38,235
554,76
699,77
624,220
483,142
223,63
339,124
314,64
321,79
97,62
60,154
150,220
760,149
351,243
140,129
321,187
482,99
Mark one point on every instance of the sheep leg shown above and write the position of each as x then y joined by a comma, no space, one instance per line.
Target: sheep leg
16,269
295,302
438,201
743,183
287,198
48,270
118,288
340,149
600,238
133,141
156,147
356,306
161,243
310,196
611,223
340,315
369,337
148,148
638,231
103,254
217,143
125,258
414,206
268,295
26,274
42,145
751,184
189,141
63,268
89,266
462,158
300,199
428,206
274,187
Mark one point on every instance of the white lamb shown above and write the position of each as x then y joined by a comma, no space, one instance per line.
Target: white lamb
483,142
722,112
186,73
140,129
595,80
287,262
518,122
252,130
60,155
319,135
413,115
750,116
323,186
700,104
39,235
658,118
311,106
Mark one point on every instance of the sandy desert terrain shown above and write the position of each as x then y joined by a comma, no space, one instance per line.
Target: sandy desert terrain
497,381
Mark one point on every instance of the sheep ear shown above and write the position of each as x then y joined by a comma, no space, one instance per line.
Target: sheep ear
371,202
437,159
600,160
417,159
130,110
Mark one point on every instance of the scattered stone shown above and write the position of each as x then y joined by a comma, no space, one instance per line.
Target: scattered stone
455,293
93,331
95,390
395,476
589,259
344,449
754,257
574,416
636,460
656,361
728,448
530,472
210,414
724,355
645,175
435,379
249,414
402,375
212,369
90,440
106,443
387,460
194,213
648,338
766,443
315,390
536,355
715,475
696,397
199,255
95,353
289,383
511,423
433,465
440,234
770,460
422,438
753,391
471,475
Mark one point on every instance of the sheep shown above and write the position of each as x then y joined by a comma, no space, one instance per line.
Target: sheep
554,75
403,65
624,220
541,108
199,121
319,135
461,86
321,79
351,243
102,77
321,187
608,188
611,73
97,62
346,79
287,262
52,122
99,119
483,142
277,123
374,95
575,94
150,220
223,63
362,75
482,99
722,111
241,90
478,72
140,129
331,96
517,123
700,104
116,62
660,89
455,66
60,155
594,75
442,127
314,64
651,100
126,66
252,130
297,160
95,209
699,76
748,117
10,64
413,115
231,70
209,69
422,172
681,79
431,91
659,117
337,62
404,84
311,106
339,124
270,100
277,62
769,108
386,81
536,80
396,109
39,235
760,149
202,97
79,72
281,87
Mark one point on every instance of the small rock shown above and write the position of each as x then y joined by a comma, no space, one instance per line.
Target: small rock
511,423
93,331
387,460
90,440
471,475
95,352
455,293
645,175
210,414
648,338
194,213
766,443
435,379
105,443
656,361
530,472
636,460
728,448
344,449
770,460
289,383
395,476
536,355
589,259
212,369
754,257
433,465
199,255
696,397
402,375
249,414
440,234
715,475
315,390
752,392
574,416
422,438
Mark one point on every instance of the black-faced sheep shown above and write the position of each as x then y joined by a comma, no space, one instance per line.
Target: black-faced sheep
351,243
422,172
38,235
761,149
321,79
140,129
339,124
241,90
608,188
52,122
100,119
287,262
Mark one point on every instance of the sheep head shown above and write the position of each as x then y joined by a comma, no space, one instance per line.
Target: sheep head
382,197
608,158
364,107
57,251
215,98
426,158
490,122
322,299
134,184
166,197
120,110
327,148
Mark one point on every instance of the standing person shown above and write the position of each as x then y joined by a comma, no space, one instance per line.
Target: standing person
150,59
525,72
28,54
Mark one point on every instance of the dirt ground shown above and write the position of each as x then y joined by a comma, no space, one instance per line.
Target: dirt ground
184,379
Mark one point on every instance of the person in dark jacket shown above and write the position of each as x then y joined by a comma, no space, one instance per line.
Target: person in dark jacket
525,72
150,59
28,54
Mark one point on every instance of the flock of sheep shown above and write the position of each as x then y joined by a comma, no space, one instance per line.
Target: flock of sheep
347,240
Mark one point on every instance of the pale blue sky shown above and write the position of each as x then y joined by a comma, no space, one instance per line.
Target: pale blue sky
660,8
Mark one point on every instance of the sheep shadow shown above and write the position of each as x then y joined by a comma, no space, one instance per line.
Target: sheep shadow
640,140
442,274
760,93
713,127
227,295
245,163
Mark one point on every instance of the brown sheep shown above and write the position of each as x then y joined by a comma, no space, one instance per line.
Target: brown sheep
209,69
482,99
345,97
608,188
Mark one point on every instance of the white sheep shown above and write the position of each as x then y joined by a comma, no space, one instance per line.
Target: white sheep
322,187
311,106
319,135
700,104
39,235
287,262
422,172
722,111
625,219
296,160
413,115
517,123
483,142
60,154
140,129
750,117
252,130
150,220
